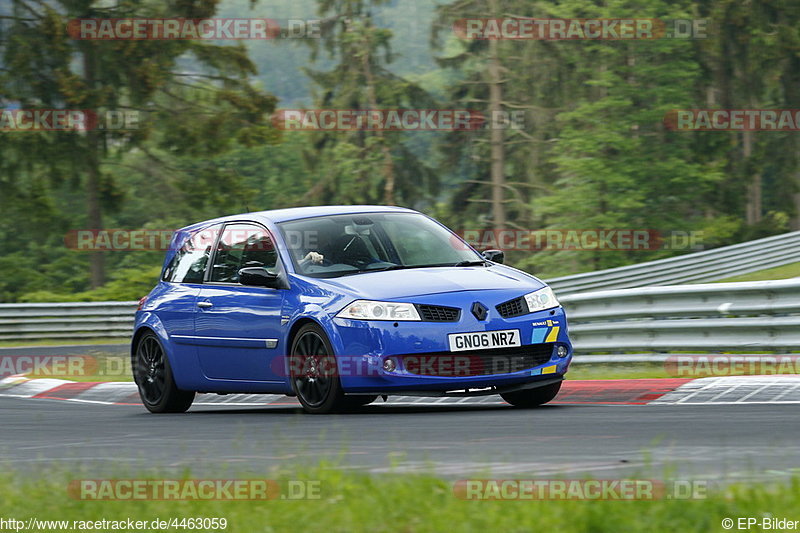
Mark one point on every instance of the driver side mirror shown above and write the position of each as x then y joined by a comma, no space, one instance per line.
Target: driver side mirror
495,256
259,277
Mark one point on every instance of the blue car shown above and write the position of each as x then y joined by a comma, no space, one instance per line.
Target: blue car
340,305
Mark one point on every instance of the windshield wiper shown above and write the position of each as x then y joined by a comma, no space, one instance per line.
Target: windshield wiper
408,267
470,263
400,267
436,265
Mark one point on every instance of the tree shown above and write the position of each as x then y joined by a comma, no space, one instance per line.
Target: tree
751,58
195,94
362,166
618,166
506,162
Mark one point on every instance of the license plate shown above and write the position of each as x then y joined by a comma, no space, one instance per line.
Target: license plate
483,340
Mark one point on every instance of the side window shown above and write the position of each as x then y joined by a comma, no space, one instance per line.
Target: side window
188,265
242,245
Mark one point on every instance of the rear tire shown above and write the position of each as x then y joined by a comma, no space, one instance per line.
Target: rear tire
153,376
314,373
528,398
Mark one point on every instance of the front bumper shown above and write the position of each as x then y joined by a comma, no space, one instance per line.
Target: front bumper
362,347
468,392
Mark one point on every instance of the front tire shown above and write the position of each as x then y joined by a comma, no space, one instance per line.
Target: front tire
528,398
314,373
153,376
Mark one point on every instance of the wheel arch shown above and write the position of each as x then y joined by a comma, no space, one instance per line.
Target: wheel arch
296,326
149,323
137,335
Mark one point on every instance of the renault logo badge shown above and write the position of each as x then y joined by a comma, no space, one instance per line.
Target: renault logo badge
480,311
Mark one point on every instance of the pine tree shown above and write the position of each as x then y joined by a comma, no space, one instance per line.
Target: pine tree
195,95
363,166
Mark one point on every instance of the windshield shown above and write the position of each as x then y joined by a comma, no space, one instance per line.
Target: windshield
339,245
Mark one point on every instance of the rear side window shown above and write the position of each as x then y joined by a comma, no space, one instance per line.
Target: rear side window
189,263
241,246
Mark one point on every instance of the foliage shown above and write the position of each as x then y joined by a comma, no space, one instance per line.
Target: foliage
592,151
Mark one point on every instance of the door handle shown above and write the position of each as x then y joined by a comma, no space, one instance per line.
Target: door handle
205,305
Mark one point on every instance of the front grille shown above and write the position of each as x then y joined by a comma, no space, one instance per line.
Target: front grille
477,363
511,308
438,313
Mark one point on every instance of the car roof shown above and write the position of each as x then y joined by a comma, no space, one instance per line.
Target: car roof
296,213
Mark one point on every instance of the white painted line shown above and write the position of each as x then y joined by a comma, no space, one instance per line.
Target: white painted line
724,390
745,398
787,402
796,388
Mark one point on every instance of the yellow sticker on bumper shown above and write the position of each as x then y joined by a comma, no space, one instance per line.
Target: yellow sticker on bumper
553,335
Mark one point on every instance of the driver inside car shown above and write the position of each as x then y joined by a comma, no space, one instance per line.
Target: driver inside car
312,258
351,250
347,249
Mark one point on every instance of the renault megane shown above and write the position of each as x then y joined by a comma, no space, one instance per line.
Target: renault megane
340,305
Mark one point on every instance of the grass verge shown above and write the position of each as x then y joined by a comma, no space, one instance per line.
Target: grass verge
90,367
409,503
63,342
791,270
617,371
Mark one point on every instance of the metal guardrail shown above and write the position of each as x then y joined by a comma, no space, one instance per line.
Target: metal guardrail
74,320
710,265
742,317
747,316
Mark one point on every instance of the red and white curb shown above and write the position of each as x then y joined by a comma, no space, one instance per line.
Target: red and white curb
779,389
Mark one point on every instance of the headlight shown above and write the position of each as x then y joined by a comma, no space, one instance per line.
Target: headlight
541,300
369,310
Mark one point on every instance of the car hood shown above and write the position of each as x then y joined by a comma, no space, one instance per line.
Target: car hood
397,284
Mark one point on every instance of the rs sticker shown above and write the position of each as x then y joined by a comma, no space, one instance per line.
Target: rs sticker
547,331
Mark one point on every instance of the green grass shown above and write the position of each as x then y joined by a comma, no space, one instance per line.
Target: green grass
92,366
659,370
791,270
617,371
408,503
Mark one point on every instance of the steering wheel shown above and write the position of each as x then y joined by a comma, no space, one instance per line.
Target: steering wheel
360,263
325,263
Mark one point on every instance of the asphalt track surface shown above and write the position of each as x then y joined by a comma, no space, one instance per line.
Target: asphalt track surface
711,442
